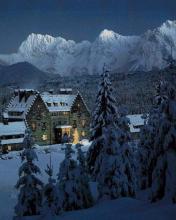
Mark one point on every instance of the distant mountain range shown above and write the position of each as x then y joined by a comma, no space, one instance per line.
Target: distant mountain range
120,53
22,74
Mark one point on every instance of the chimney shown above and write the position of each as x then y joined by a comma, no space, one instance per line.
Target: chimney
51,91
21,94
65,91
25,93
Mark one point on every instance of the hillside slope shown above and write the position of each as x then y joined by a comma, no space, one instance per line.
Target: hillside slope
22,74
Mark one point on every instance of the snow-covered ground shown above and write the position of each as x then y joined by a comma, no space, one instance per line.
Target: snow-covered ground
121,209
9,165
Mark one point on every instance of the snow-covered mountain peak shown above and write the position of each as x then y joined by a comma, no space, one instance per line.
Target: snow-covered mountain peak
46,37
107,35
36,42
121,53
168,28
168,24
35,39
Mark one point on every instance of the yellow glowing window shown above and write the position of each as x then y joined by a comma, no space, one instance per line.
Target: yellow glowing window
44,137
65,113
83,133
9,148
83,122
33,126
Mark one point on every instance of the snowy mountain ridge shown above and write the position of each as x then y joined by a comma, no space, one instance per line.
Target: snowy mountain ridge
121,53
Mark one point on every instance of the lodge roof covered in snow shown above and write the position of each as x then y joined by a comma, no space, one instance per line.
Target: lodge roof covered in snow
21,103
136,122
12,128
12,141
58,102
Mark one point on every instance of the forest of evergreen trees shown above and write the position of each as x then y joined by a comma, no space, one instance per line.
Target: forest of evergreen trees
111,162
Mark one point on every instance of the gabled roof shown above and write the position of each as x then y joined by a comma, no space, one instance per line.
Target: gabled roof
53,102
12,128
22,106
58,102
136,121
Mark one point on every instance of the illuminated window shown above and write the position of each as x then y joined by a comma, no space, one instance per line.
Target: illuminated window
33,126
65,113
44,137
83,133
83,122
9,147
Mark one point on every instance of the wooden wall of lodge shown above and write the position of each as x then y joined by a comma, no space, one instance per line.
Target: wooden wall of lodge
43,123
12,147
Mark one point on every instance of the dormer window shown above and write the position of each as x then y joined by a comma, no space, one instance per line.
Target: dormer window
48,104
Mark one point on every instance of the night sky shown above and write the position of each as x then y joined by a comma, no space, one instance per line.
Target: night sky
78,19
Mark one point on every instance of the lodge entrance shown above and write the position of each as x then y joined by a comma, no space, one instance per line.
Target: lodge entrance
58,135
62,134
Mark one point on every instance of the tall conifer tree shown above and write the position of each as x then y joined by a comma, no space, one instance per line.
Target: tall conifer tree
72,190
115,165
147,150
163,177
105,114
30,196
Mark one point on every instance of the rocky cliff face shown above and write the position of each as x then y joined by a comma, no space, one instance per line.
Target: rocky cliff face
120,53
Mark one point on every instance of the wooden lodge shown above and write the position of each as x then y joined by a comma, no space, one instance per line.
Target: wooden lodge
52,118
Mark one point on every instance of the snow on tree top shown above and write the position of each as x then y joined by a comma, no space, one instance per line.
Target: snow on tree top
12,128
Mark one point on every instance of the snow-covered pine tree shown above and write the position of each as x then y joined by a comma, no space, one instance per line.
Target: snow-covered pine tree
81,157
51,204
127,152
105,110
71,191
84,178
114,176
147,153
30,196
164,178
115,165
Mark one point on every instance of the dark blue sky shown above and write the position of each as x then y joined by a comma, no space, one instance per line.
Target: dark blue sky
78,19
